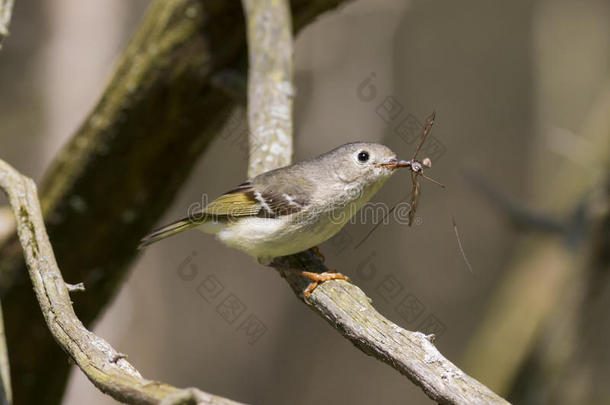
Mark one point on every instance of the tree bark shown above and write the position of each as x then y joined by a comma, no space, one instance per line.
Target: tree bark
104,366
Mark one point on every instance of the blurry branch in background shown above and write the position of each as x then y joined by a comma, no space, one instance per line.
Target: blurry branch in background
554,307
6,11
340,303
124,166
570,368
535,281
520,216
545,282
104,366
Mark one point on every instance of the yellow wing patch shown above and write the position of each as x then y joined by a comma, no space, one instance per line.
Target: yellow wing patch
234,204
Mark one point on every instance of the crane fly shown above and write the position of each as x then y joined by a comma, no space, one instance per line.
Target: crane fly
417,168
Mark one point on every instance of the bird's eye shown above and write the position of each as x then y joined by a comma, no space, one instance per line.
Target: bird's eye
363,156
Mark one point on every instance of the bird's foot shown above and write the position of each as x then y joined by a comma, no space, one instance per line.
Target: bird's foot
317,278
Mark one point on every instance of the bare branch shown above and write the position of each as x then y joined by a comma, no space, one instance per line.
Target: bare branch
6,11
347,309
342,304
269,84
104,366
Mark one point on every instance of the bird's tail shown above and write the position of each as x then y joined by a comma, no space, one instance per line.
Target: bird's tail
169,230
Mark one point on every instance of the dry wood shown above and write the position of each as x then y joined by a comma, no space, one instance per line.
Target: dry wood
107,369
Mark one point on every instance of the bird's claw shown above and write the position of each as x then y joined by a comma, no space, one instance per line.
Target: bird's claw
318,278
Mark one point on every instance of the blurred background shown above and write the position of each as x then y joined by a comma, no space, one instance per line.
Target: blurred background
522,95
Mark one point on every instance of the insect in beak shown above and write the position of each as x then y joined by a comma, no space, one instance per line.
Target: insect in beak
416,166
417,169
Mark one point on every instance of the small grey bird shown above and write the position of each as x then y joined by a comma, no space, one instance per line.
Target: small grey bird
297,207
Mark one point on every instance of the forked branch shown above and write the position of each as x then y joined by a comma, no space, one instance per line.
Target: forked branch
107,369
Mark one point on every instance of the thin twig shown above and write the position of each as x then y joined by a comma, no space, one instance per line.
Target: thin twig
104,366
342,304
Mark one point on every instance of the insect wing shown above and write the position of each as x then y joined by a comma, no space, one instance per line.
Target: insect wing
427,128
414,197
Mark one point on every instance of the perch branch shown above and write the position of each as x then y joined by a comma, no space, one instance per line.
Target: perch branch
347,309
104,366
6,11
340,303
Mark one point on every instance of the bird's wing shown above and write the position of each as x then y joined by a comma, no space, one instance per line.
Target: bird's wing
238,202
246,200
256,199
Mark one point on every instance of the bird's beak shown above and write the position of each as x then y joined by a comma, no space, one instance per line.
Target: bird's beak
395,164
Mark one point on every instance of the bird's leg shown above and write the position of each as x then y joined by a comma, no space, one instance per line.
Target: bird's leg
317,252
317,278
